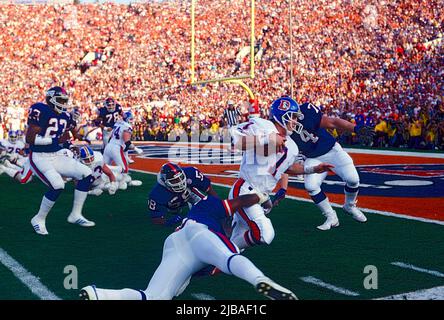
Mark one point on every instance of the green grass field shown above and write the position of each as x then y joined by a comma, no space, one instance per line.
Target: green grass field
124,248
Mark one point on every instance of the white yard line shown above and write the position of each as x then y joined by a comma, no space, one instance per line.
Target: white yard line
382,213
202,296
27,278
436,293
415,268
320,283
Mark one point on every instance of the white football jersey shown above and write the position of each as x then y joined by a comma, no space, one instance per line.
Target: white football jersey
117,133
263,172
13,148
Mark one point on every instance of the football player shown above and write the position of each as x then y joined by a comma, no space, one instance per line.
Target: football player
268,154
318,146
47,130
107,116
15,148
199,242
119,143
176,188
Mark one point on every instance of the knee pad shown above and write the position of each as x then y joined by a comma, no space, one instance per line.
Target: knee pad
312,187
352,181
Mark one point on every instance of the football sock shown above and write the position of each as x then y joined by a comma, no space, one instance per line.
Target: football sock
45,207
243,268
79,200
350,195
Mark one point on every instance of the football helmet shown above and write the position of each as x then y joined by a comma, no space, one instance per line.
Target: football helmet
128,117
20,134
286,112
12,136
57,98
86,155
110,104
172,177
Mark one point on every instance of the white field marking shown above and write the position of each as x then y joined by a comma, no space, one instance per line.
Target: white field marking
320,283
415,268
27,278
436,293
336,205
202,296
349,150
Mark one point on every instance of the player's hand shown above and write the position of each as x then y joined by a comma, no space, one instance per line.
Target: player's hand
112,188
279,196
263,197
138,150
323,167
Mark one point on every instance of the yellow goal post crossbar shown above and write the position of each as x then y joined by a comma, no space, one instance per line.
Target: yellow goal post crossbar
235,80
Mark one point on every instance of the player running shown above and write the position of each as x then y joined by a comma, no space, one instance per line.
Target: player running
48,125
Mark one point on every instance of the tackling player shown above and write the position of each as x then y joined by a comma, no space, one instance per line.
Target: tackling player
107,116
176,187
199,242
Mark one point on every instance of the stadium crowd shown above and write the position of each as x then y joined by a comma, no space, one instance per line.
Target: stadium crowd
374,62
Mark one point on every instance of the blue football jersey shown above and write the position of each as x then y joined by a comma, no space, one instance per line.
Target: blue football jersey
51,123
163,201
211,211
313,141
110,118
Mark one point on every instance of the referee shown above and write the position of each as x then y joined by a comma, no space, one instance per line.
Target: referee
232,114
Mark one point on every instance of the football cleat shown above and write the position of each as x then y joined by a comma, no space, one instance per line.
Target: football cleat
39,226
123,185
331,221
88,293
273,291
80,220
135,183
355,212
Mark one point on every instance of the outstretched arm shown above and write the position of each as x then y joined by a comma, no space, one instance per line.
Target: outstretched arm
297,169
336,123
247,200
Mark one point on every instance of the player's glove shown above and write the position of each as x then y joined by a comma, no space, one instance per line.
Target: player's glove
175,219
112,188
365,134
279,196
138,150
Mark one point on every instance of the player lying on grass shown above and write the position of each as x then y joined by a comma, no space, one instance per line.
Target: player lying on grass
199,242
106,178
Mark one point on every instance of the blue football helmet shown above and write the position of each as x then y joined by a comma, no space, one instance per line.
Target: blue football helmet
128,117
86,155
57,98
286,112
172,177
12,136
